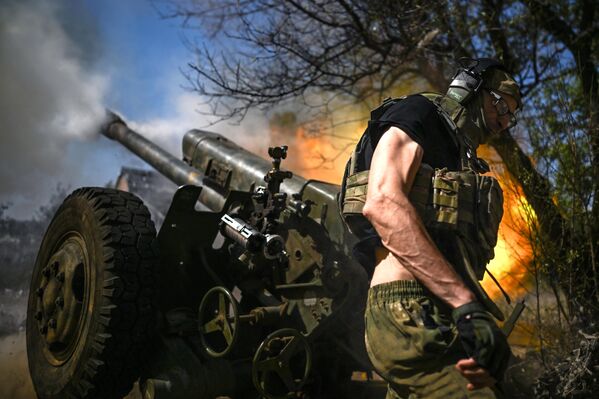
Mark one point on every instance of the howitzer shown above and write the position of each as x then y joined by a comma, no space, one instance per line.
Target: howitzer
253,293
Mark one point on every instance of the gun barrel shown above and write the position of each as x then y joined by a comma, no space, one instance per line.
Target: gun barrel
219,166
174,169
230,166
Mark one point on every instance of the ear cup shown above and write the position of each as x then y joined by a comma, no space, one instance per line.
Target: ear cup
469,78
464,85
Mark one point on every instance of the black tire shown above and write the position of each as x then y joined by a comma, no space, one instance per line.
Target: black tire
90,310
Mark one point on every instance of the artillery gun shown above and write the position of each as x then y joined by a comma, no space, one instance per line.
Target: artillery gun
248,290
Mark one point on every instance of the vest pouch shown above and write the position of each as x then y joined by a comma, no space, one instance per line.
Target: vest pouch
445,199
421,194
489,212
356,187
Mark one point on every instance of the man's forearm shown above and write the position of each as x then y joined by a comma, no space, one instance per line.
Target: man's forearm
404,235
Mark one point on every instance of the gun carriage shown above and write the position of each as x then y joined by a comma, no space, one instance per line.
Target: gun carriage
247,290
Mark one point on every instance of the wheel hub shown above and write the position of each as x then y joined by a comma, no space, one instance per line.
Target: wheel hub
61,297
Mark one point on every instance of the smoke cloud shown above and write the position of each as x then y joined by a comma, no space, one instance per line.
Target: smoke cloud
50,97
52,102
253,134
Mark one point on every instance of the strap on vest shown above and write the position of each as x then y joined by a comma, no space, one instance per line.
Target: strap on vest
352,165
450,112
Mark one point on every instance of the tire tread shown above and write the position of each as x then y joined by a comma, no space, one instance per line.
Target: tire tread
125,317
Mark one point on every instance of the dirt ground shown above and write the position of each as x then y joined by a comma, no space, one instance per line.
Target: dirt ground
15,382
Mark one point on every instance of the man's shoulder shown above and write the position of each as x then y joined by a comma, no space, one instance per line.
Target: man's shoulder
412,105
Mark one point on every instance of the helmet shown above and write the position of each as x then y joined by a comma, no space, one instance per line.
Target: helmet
470,78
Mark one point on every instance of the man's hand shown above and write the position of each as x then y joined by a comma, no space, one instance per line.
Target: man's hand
483,342
477,376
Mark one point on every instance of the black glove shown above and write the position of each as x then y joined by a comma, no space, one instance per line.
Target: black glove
482,339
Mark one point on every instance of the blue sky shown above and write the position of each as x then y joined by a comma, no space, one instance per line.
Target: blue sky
143,54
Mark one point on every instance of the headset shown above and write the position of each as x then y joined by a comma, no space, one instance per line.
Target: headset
467,81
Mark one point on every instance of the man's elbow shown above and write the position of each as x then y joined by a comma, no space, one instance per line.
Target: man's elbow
370,209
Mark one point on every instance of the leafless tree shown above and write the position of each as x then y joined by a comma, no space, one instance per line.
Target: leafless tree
259,53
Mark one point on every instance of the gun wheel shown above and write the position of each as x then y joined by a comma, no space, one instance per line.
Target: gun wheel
282,364
90,302
218,322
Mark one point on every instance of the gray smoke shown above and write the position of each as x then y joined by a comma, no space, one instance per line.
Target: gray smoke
50,106
50,101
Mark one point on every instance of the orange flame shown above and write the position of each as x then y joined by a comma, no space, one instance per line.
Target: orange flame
513,251
321,158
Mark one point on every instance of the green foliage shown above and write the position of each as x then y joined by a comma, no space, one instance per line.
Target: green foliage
560,143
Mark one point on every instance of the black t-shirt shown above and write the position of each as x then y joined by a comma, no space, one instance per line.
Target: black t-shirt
419,118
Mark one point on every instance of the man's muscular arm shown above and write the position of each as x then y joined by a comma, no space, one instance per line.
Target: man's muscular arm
395,163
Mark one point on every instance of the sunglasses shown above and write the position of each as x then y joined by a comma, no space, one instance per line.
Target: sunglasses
503,109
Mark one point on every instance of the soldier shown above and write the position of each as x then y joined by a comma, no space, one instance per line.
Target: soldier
427,219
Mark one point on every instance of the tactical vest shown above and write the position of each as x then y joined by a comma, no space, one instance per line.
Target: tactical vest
464,203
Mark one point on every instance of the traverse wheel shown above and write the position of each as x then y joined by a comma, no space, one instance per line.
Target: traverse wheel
90,303
282,364
218,322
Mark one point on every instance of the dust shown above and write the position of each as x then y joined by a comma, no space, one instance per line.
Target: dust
15,382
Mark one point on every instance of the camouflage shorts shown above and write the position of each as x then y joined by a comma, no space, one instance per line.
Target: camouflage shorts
413,344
